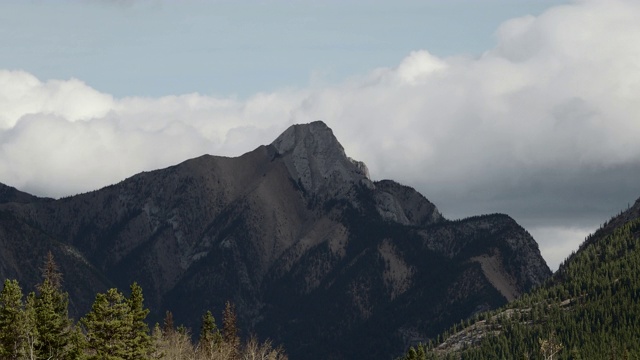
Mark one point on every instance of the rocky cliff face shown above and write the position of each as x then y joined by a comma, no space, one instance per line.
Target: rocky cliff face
314,254
317,161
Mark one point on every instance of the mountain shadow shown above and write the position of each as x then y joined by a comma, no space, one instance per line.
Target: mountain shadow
589,309
314,254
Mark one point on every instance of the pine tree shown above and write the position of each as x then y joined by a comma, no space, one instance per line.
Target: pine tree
589,309
108,327
77,345
140,344
412,354
210,338
31,338
13,331
51,314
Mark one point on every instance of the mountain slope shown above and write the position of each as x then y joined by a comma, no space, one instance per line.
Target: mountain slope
589,309
313,253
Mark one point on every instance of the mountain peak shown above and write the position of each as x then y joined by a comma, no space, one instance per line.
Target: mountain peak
281,231
316,159
316,133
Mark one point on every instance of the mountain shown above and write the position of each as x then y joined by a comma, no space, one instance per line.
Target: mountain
314,254
589,309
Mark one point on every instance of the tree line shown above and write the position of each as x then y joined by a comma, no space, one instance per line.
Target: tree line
38,326
589,309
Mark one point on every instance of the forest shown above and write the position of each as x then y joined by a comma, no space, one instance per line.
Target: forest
38,326
587,310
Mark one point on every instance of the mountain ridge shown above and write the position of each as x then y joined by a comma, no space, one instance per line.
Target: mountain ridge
314,254
588,309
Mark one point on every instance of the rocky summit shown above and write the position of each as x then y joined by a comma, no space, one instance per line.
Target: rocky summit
315,255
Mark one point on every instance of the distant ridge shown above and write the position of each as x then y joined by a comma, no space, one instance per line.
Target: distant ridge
588,309
10,194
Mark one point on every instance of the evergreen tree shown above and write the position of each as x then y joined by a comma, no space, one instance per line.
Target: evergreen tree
587,310
140,343
108,327
13,331
412,354
115,329
210,337
77,345
29,318
51,314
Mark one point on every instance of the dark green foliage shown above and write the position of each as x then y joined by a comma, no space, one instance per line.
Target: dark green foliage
13,331
141,346
108,326
116,328
40,328
52,323
210,337
590,309
77,344
50,315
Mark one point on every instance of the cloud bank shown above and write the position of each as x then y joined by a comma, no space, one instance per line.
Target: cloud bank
544,126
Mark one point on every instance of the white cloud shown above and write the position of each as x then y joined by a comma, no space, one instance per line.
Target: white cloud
545,117
418,65
22,94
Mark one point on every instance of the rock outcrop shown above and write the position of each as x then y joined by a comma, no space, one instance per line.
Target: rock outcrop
314,254
316,161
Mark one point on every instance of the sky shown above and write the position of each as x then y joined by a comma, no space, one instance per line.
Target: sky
523,107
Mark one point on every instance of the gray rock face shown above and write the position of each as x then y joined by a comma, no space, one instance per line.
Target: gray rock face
314,254
316,159
404,205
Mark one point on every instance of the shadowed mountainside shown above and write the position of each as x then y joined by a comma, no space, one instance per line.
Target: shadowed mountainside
313,253
588,309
